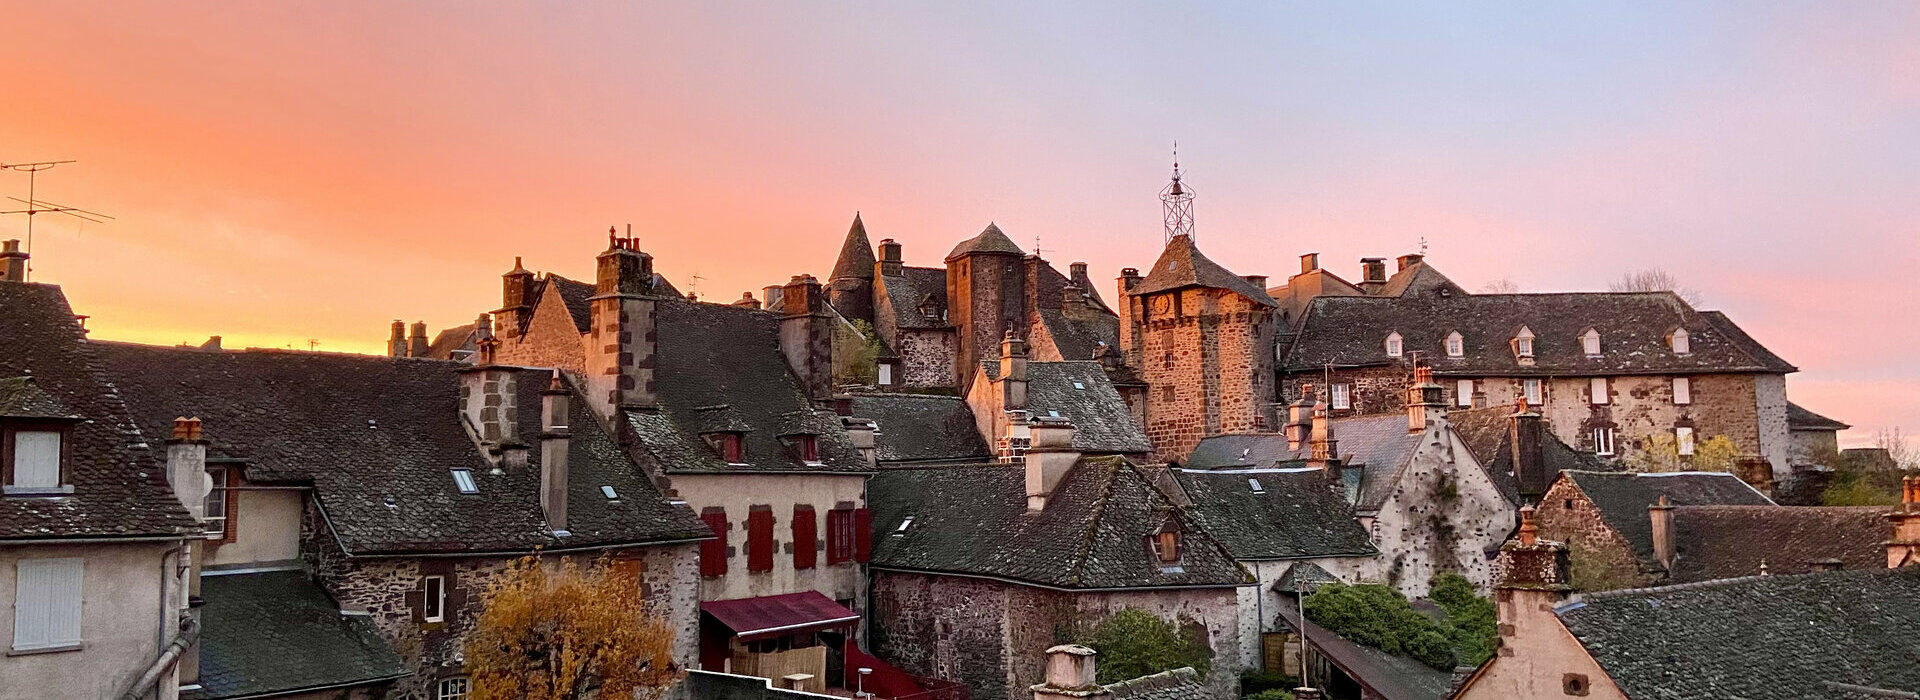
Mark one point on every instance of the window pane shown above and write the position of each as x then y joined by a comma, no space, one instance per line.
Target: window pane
47,603
1533,392
36,458
1341,399
434,600
1599,385
886,374
217,501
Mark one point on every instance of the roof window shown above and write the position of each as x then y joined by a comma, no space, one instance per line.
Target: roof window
1053,413
1078,385
463,479
1679,342
1590,342
1523,344
1456,345
1395,345
1254,484
609,493
904,524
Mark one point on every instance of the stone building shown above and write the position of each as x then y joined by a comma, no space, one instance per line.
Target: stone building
365,498
1602,517
980,568
1009,392
1614,374
1815,438
1836,634
1200,339
95,547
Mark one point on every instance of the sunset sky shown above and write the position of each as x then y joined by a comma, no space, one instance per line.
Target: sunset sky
290,171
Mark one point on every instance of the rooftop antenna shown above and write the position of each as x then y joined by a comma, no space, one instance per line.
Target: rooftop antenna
1423,246
1176,203
693,287
36,206
1036,246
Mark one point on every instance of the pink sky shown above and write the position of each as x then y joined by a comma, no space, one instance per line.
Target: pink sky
284,172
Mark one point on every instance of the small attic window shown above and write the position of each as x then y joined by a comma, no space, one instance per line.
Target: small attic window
1395,345
904,524
1456,345
804,447
731,446
1053,413
609,493
1523,343
1080,386
1590,342
1254,484
1679,342
463,480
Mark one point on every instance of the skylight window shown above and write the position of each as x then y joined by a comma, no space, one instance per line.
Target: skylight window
1052,413
463,479
904,524
609,493
1254,484
1078,385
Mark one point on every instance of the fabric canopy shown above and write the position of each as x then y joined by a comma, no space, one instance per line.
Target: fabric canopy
779,615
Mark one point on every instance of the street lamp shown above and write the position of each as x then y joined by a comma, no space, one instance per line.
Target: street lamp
861,687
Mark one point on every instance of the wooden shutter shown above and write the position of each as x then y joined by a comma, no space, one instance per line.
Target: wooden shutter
862,535
839,536
46,611
713,553
760,539
803,537
232,503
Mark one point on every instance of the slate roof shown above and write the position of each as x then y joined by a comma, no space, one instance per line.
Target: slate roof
1378,447
1079,391
1306,571
20,397
922,428
1623,497
278,632
716,359
451,340
1419,279
1295,514
118,488
1181,265
906,292
377,438
1757,638
1556,457
990,240
577,296
1352,331
1799,418
1092,534
1178,684
856,254
1715,542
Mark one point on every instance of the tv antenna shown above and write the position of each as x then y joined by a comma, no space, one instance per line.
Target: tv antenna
693,288
41,206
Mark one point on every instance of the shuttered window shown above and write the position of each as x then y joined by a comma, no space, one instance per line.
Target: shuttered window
839,536
36,459
862,535
804,536
46,603
1463,393
760,539
1597,387
713,552
1682,391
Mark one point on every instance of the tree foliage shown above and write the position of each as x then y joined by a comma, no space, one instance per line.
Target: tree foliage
1378,616
1475,625
856,353
1500,286
1654,279
560,632
1134,643
1660,452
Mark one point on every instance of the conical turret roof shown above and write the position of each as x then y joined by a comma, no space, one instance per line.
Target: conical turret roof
990,240
856,254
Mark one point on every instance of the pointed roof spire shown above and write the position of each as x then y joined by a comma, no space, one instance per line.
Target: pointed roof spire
990,240
856,254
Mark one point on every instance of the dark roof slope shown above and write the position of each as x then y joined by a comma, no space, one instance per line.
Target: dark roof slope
1178,684
577,296
1623,498
990,240
451,340
1714,542
1091,535
1080,392
1555,457
856,254
1633,327
1799,418
915,286
1182,265
277,632
1387,676
20,397
1380,444
721,366
377,438
922,428
1419,279
1763,637
1295,514
118,488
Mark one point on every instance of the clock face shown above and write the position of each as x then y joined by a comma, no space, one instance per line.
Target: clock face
1162,303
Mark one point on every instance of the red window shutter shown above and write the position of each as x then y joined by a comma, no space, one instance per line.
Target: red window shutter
713,553
760,539
839,536
809,449
803,537
862,535
733,448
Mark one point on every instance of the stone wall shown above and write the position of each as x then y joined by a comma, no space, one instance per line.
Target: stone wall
926,359
551,340
985,299
1206,356
1602,559
1262,608
1444,514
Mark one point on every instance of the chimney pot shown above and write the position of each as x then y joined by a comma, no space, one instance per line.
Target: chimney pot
1309,262
1410,259
13,262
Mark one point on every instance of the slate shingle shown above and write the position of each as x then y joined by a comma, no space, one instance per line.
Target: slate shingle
278,632
1294,515
922,428
1080,392
1715,542
1181,265
1623,497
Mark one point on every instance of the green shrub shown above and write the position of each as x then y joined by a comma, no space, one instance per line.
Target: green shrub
1475,625
1134,643
1253,682
1379,617
1269,694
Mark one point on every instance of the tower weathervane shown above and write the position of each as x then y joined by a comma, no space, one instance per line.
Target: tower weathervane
1176,203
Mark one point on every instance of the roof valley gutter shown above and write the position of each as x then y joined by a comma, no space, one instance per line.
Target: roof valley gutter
1017,582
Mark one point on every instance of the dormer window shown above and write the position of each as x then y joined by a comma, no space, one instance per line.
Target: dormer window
1456,345
1523,344
1590,342
34,459
1165,543
731,446
1395,347
805,447
1679,342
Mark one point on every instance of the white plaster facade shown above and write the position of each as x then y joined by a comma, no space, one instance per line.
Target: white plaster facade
1443,514
266,527
132,594
738,493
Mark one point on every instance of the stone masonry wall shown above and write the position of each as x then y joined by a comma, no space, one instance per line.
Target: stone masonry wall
926,359
1206,356
1602,559
551,340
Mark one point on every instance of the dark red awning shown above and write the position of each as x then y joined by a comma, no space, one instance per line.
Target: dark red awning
779,615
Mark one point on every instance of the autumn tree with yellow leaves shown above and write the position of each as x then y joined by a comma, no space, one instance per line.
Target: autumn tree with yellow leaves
561,632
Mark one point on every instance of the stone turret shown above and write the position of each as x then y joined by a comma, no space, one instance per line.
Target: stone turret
850,287
622,337
986,295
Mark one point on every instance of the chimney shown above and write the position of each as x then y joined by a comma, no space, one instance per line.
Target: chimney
417,340
1373,270
1410,260
747,301
806,336
485,345
1050,455
1660,516
1070,676
1757,472
488,401
555,438
516,300
890,265
1013,373
1820,565
1426,402
212,344
770,297
1309,263
1078,273
1300,418
622,339
860,432
1129,278
1073,296
13,262
1529,450
1323,448
1534,577
187,466
397,343
1258,281
1904,548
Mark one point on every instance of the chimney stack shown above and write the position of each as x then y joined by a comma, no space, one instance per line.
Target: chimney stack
1309,263
555,438
1410,260
1373,270
890,265
1426,401
1258,281
397,343
1129,278
1904,548
860,431
516,300
1660,516
806,336
13,262
1300,417
1070,676
417,340
747,301
1050,455
1524,433
1323,449
187,466
1013,373
622,337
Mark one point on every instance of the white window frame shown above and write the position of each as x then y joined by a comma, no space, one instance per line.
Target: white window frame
1463,393
433,598
1396,346
463,481
1531,390
1682,391
1603,442
1590,343
885,377
47,603
1342,397
453,688
1683,440
216,502
1456,345
1680,342
1597,386
1523,342
29,447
